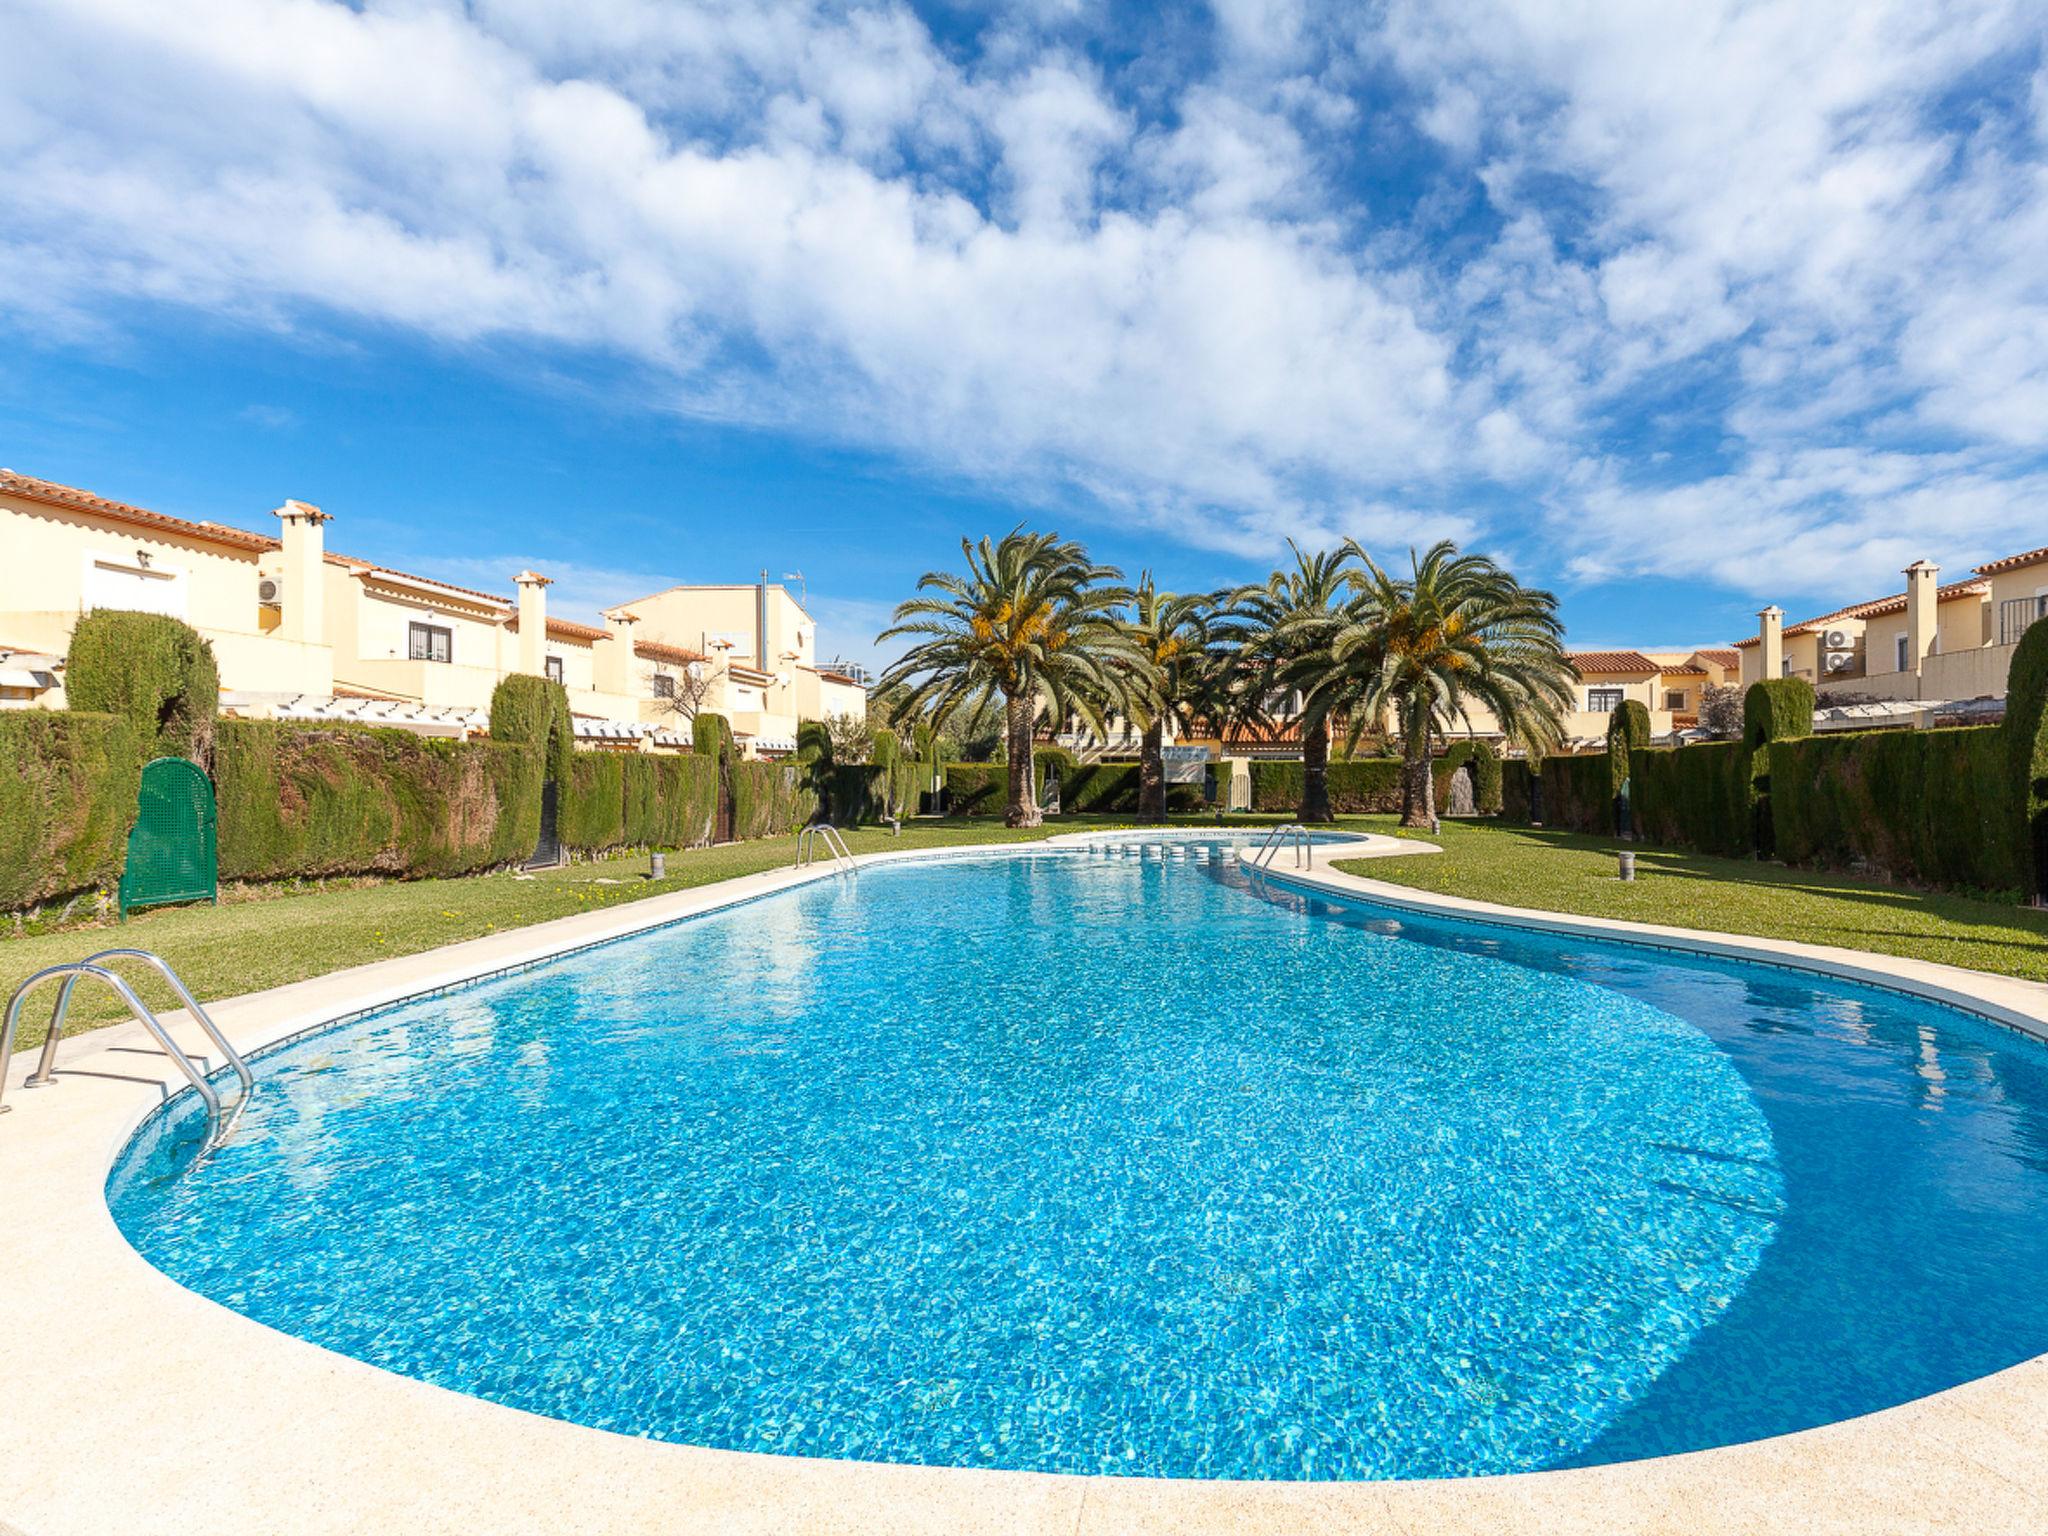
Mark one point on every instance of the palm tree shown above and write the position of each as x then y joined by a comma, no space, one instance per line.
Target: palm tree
1176,675
1033,624
1284,630
1457,631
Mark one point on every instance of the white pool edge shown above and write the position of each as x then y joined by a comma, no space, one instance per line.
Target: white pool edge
130,1404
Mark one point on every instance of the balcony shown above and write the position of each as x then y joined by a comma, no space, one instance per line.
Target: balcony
2018,614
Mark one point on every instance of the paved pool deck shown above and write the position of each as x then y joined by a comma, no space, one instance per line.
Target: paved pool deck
130,1405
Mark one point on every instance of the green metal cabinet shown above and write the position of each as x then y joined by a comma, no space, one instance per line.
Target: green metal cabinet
171,852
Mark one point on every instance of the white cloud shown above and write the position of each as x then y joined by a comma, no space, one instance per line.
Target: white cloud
1795,237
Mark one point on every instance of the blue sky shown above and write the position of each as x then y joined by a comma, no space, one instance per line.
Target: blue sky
1678,308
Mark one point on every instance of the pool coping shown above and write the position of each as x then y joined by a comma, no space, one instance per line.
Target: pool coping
129,1403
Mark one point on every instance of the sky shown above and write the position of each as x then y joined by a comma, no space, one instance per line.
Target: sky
1676,308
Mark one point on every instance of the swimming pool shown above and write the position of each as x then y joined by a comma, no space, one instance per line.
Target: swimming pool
1102,1164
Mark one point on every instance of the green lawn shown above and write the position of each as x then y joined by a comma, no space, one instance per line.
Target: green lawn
1563,872
266,940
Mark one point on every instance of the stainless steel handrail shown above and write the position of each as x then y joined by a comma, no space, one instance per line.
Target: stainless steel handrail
136,1007
44,1068
1294,834
835,845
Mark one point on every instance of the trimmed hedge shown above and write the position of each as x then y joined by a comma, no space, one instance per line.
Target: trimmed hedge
978,789
153,671
590,811
1695,796
531,711
769,799
905,773
1577,793
669,801
1357,786
68,787
1926,807
1517,785
1776,709
2026,749
297,800
856,794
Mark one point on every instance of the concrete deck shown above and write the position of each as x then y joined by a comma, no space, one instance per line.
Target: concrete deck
130,1405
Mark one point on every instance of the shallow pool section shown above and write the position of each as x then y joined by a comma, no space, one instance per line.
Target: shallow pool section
1107,1162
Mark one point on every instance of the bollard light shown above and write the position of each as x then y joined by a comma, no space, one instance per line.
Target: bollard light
657,865
1628,865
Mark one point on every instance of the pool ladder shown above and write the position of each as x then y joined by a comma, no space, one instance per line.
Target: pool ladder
99,967
1293,834
824,832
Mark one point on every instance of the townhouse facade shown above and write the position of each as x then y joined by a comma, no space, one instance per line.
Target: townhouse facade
1931,645
302,631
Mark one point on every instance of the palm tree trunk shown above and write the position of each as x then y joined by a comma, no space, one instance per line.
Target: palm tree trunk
1315,774
1418,787
1152,774
1018,718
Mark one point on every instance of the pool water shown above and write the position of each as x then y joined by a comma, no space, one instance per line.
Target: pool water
1101,1163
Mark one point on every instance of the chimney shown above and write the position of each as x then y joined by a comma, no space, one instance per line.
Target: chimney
305,577
761,624
1770,631
614,664
1920,605
533,623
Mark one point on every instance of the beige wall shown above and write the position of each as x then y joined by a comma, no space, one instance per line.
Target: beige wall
2029,581
724,624
697,618
60,562
1971,673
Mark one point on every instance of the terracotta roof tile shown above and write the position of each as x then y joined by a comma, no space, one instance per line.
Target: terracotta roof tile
2014,562
1722,657
29,488
654,650
1941,595
1604,663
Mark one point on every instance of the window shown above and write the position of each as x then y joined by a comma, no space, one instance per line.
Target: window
1899,653
553,667
664,686
1603,701
1674,698
429,642
136,582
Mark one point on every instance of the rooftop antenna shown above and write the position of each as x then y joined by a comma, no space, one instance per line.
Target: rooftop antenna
803,594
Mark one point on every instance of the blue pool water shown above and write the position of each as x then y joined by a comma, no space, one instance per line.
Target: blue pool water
1100,1164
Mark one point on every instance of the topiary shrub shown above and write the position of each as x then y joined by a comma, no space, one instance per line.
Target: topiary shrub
533,712
68,786
1776,709
1487,777
154,672
2026,756
1628,730
309,800
710,736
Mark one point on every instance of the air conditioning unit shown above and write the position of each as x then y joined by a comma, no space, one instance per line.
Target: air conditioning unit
1838,640
270,592
1839,661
